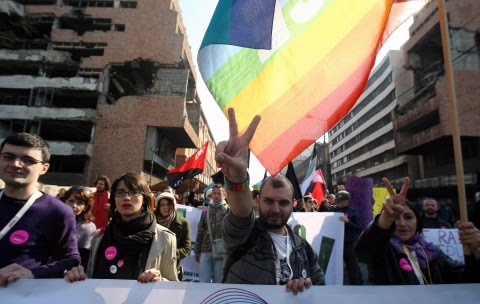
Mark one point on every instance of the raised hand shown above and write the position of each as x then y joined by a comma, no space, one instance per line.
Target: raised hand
393,205
232,155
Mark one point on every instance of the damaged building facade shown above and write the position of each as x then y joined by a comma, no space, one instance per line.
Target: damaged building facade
110,84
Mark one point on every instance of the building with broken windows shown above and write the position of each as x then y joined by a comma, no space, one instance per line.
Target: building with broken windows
108,83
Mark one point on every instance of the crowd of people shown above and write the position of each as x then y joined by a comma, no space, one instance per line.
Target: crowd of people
124,231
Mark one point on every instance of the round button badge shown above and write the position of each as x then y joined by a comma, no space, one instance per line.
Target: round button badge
113,269
19,237
110,253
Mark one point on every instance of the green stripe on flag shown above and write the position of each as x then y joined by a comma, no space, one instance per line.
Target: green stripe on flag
245,66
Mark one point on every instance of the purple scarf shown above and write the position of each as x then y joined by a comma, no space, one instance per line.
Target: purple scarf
417,242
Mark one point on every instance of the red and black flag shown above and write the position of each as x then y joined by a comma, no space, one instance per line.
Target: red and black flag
193,166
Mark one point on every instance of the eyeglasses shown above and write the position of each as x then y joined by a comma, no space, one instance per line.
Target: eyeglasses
24,160
122,193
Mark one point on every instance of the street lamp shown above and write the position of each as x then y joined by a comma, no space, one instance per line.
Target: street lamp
154,150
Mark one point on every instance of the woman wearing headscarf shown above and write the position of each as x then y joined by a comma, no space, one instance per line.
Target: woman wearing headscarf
133,246
397,254
80,199
167,216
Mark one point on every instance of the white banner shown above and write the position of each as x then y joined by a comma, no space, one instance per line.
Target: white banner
447,240
92,291
323,230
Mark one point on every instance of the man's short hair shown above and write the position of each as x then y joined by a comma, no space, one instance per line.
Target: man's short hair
106,180
218,185
278,181
28,140
429,199
342,196
221,187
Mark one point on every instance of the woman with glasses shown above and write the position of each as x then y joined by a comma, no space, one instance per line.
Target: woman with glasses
308,204
81,201
133,246
168,217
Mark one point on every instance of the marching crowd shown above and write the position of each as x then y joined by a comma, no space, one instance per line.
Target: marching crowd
123,231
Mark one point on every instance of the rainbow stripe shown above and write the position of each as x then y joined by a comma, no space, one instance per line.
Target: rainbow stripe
321,55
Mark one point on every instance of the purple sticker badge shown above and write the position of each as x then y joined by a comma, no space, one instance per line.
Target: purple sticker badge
120,263
405,265
110,253
19,237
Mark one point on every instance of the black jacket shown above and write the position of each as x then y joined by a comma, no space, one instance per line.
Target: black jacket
373,248
253,261
354,225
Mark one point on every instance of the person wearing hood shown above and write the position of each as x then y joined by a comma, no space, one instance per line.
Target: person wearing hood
167,216
209,235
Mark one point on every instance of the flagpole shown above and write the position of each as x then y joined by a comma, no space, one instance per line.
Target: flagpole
457,146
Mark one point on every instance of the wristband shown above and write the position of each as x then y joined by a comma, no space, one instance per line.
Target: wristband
237,187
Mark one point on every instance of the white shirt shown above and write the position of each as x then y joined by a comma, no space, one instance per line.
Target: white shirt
283,247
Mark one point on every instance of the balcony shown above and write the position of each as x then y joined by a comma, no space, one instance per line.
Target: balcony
418,142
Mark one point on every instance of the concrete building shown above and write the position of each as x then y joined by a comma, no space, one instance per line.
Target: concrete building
400,126
110,84
362,143
423,122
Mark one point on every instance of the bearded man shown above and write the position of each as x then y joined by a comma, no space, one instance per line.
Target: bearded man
263,250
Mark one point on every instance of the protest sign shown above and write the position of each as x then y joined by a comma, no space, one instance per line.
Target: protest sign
47,291
447,240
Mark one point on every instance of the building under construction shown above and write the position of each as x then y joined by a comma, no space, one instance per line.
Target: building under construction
110,84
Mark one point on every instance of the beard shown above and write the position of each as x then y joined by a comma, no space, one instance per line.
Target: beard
273,223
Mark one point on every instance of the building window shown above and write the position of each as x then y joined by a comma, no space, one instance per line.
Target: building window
128,4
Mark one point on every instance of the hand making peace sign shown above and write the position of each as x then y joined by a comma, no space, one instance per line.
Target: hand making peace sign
393,205
232,155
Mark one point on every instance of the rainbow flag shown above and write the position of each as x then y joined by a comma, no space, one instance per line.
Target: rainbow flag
301,65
